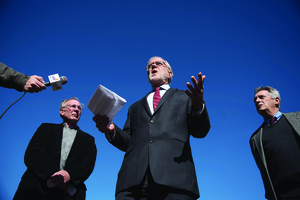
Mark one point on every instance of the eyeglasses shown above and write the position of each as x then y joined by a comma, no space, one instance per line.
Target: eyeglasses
157,64
73,107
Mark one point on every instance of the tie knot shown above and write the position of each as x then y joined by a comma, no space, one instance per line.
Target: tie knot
273,120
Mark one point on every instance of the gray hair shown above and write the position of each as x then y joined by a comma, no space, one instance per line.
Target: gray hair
167,64
63,103
271,91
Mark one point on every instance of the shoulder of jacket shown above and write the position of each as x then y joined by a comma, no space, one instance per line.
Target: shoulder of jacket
50,124
291,113
85,133
255,132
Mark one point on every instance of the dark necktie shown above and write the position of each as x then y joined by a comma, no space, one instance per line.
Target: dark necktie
273,120
156,97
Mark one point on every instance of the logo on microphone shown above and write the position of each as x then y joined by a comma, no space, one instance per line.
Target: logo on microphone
55,82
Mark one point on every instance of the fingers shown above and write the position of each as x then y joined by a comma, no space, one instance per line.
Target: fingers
57,179
200,82
198,85
39,81
196,93
101,123
60,177
96,117
34,84
39,78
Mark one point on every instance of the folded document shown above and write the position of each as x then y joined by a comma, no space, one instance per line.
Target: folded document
105,102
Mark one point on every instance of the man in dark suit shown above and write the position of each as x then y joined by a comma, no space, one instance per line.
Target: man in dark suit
276,146
158,162
59,158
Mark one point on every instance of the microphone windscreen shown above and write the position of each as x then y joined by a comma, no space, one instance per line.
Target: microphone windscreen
63,79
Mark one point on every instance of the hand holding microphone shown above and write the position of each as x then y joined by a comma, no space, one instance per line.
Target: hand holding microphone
34,84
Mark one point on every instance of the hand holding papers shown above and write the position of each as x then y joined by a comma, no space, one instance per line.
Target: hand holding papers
105,102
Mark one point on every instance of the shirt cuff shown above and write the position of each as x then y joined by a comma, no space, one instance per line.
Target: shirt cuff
199,112
109,136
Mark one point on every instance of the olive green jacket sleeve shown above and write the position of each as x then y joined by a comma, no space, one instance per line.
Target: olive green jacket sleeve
10,78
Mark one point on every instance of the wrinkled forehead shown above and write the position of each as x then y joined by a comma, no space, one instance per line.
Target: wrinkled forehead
72,102
155,59
262,92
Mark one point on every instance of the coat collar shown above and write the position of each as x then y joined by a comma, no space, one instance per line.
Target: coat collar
168,93
59,135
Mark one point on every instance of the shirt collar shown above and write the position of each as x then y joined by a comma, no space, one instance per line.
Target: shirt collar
165,87
74,127
278,116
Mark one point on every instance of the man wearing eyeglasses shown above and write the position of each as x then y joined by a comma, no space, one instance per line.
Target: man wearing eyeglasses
59,158
158,162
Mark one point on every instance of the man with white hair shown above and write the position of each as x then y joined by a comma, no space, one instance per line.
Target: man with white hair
158,162
59,159
276,146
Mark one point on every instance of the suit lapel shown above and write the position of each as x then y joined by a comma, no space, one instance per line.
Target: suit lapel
161,102
145,104
58,131
168,93
257,138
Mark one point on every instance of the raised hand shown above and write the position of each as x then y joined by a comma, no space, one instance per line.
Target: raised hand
196,93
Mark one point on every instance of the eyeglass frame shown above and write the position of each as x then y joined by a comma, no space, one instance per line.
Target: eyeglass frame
73,107
157,64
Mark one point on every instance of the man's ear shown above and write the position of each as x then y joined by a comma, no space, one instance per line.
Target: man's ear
170,74
277,101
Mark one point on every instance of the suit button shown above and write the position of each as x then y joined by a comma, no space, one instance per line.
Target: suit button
150,141
152,121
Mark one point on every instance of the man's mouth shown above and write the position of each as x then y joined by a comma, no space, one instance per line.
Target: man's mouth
153,71
259,105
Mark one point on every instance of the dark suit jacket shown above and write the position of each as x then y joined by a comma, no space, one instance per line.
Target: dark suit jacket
42,158
259,155
160,141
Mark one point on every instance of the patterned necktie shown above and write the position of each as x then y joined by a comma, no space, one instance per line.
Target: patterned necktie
273,120
156,97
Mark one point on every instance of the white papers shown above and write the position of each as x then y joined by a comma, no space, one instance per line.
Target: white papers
105,102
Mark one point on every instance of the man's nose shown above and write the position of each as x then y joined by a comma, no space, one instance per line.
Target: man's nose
153,66
257,100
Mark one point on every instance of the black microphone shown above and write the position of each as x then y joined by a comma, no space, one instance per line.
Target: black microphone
63,81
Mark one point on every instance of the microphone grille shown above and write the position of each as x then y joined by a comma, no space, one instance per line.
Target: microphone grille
63,79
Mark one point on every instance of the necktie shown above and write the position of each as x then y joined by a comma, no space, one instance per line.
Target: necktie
273,120
156,97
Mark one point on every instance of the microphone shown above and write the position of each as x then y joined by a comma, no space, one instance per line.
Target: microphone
63,81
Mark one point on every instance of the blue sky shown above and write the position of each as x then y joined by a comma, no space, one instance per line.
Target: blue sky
238,45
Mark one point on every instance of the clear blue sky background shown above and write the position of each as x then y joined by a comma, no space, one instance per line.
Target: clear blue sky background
238,45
